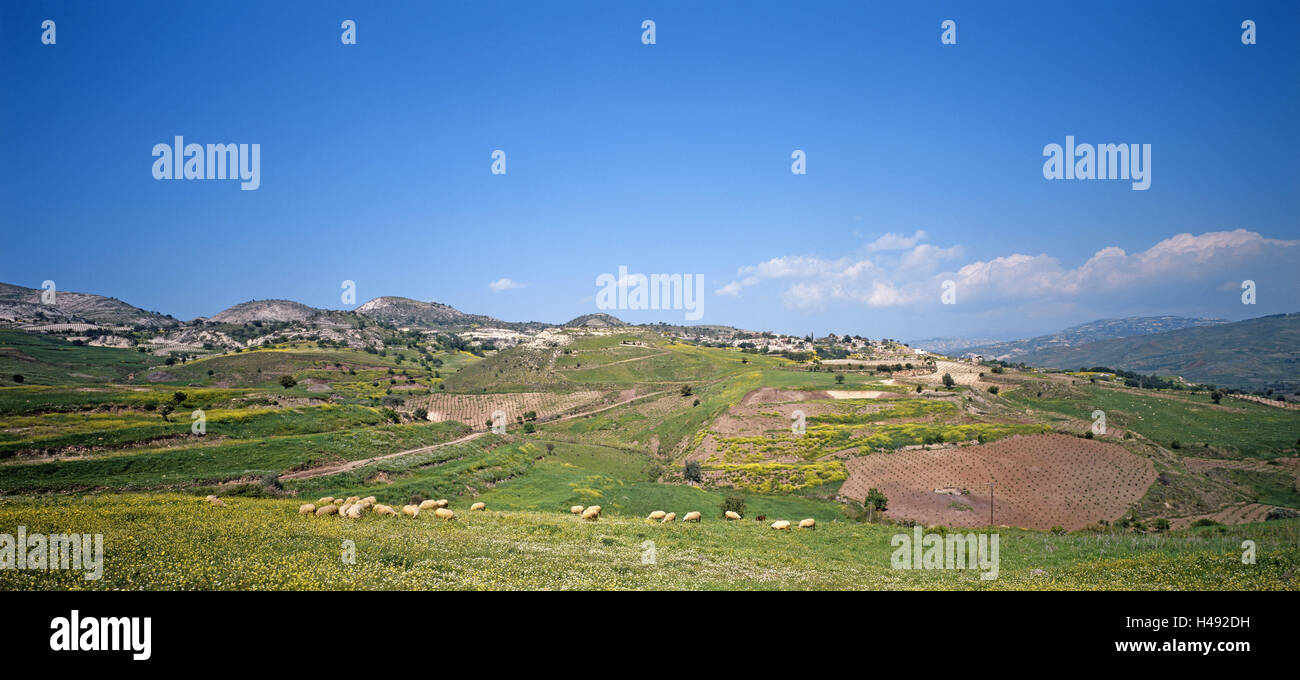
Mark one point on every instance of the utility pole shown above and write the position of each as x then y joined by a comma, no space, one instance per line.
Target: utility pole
990,502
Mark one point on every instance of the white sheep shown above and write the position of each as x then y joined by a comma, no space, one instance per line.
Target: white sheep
343,509
370,499
352,499
592,513
444,513
478,506
410,510
327,509
731,514
325,500
780,524
691,517
575,509
354,511
809,523
657,514
428,505
441,502
216,501
381,509
306,509
669,517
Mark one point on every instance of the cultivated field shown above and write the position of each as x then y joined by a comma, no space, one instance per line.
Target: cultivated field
1039,482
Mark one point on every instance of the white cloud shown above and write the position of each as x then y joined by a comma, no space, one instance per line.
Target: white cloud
505,284
892,241
911,277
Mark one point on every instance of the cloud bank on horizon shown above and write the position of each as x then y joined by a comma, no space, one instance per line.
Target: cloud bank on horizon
897,270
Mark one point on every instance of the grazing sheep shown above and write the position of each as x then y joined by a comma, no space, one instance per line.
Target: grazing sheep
216,501
691,517
352,499
370,499
576,509
328,509
657,514
343,509
306,509
731,514
669,517
780,524
381,509
478,506
428,505
410,510
809,523
592,513
444,513
441,502
325,500
354,511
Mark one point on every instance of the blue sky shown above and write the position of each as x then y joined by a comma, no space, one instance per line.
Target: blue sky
924,160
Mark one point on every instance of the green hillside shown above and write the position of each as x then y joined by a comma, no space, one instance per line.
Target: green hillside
1254,354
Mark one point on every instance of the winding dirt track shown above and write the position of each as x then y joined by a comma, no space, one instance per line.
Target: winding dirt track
337,468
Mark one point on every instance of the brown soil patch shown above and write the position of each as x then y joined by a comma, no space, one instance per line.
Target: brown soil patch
1040,481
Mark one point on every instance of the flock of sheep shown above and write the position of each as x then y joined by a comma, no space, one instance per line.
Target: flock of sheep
665,517
353,507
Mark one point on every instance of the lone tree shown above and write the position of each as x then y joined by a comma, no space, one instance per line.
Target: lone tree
686,390
875,501
948,381
692,471
287,381
839,380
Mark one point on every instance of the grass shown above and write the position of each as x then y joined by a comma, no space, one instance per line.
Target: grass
221,461
173,542
44,359
1238,427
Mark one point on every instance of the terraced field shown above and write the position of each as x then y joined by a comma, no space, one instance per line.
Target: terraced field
1039,482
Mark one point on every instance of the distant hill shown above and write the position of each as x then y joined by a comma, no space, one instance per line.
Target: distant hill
265,310
1085,333
402,311
1252,354
18,303
949,346
595,321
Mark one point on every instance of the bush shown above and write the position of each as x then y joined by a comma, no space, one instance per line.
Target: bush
686,390
529,428
1161,525
948,381
993,389
18,377
733,503
1175,445
1057,530
692,472
421,413
287,381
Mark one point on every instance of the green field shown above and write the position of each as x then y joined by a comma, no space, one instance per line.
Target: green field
98,440
177,542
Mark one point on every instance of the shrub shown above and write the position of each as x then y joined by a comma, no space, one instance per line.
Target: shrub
993,389
1161,525
529,428
733,503
948,381
692,471
18,377
1175,445
421,413
686,390
1058,530
287,381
